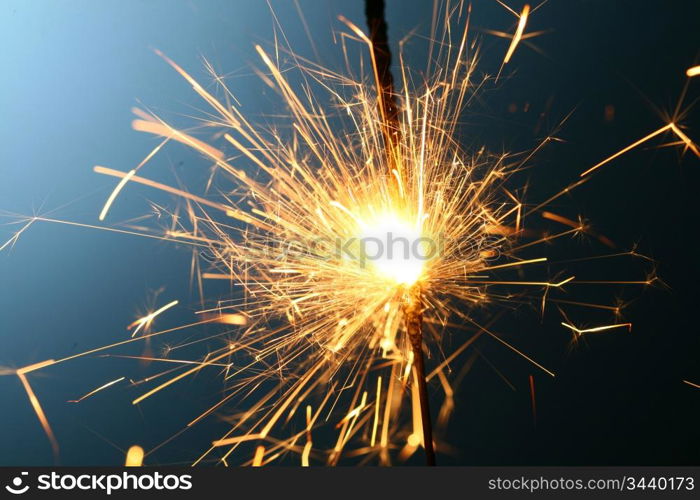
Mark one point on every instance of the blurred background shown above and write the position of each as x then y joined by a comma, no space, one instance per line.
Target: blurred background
73,69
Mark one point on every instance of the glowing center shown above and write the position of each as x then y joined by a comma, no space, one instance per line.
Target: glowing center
392,248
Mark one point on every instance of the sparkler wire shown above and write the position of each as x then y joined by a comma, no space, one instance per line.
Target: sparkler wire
389,112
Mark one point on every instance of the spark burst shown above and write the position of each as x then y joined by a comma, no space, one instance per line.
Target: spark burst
320,338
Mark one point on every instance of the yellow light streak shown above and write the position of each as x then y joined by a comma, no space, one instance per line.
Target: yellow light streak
303,323
148,319
694,71
95,391
671,126
39,412
597,329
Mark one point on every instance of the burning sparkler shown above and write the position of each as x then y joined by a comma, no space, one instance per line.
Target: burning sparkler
326,326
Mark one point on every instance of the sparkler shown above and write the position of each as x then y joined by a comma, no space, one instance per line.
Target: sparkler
388,108
321,332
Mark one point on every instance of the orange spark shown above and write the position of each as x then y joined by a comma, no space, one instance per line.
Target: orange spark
228,319
237,439
114,194
35,366
377,402
671,126
518,33
343,322
163,130
560,219
694,71
95,391
259,455
16,236
216,276
532,399
39,412
148,319
147,182
688,143
134,457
